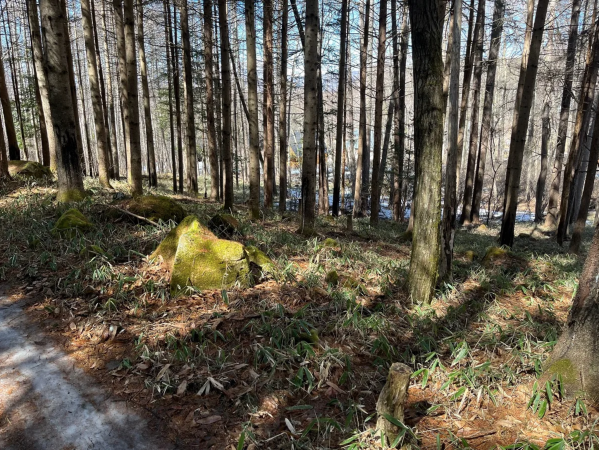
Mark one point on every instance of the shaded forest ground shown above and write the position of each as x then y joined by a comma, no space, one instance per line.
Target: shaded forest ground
297,362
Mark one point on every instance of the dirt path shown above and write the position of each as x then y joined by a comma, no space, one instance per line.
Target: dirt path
48,403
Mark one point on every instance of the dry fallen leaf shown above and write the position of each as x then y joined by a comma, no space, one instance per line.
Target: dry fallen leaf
208,420
182,388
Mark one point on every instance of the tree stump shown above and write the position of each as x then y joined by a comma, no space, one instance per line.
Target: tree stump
392,400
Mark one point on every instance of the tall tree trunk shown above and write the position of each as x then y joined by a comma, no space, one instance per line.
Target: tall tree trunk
211,125
269,112
545,135
485,132
323,185
310,118
42,80
427,34
340,108
252,76
122,63
451,201
177,92
584,104
167,34
552,208
14,153
55,41
378,115
110,101
152,176
477,62
359,199
226,95
4,174
92,70
90,157
524,97
283,111
575,357
400,53
134,164
190,127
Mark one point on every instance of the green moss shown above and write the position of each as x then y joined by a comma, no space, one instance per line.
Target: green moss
224,225
332,277
208,263
258,257
71,222
494,253
70,195
482,227
29,169
470,255
168,247
565,369
329,242
155,208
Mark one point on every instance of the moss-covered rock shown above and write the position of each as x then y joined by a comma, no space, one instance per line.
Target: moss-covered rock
168,247
482,227
155,208
494,254
470,255
224,226
30,169
332,277
259,258
71,222
206,263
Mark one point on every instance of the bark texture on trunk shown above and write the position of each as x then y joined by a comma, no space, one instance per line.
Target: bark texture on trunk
426,17
524,98
308,198
400,52
340,109
269,112
545,135
226,95
55,41
283,111
210,118
14,153
190,126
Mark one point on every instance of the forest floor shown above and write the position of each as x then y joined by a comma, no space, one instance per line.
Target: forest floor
296,362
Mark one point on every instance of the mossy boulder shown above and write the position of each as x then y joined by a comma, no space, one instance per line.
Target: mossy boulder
332,277
470,255
495,254
155,208
224,226
71,222
260,259
30,169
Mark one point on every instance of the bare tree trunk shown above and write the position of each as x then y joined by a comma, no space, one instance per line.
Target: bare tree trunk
359,199
477,61
340,109
546,133
92,70
310,118
192,161
14,153
111,109
399,75
524,97
122,63
448,225
55,40
169,65
585,103
90,157
177,92
250,26
269,112
283,112
211,126
485,133
226,94
4,174
152,176
552,208
427,34
378,115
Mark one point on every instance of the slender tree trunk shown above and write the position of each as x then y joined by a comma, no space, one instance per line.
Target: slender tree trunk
522,108
122,63
111,109
14,153
585,102
152,176
4,174
378,115
283,111
42,81
169,65
340,108
310,118
485,133
323,185
399,73
82,90
210,119
552,209
192,161
177,93
546,133
92,70
427,34
450,203
55,40
385,149
477,62
269,112
252,76
226,94
362,133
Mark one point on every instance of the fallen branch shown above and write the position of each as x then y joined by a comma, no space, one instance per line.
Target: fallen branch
129,213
